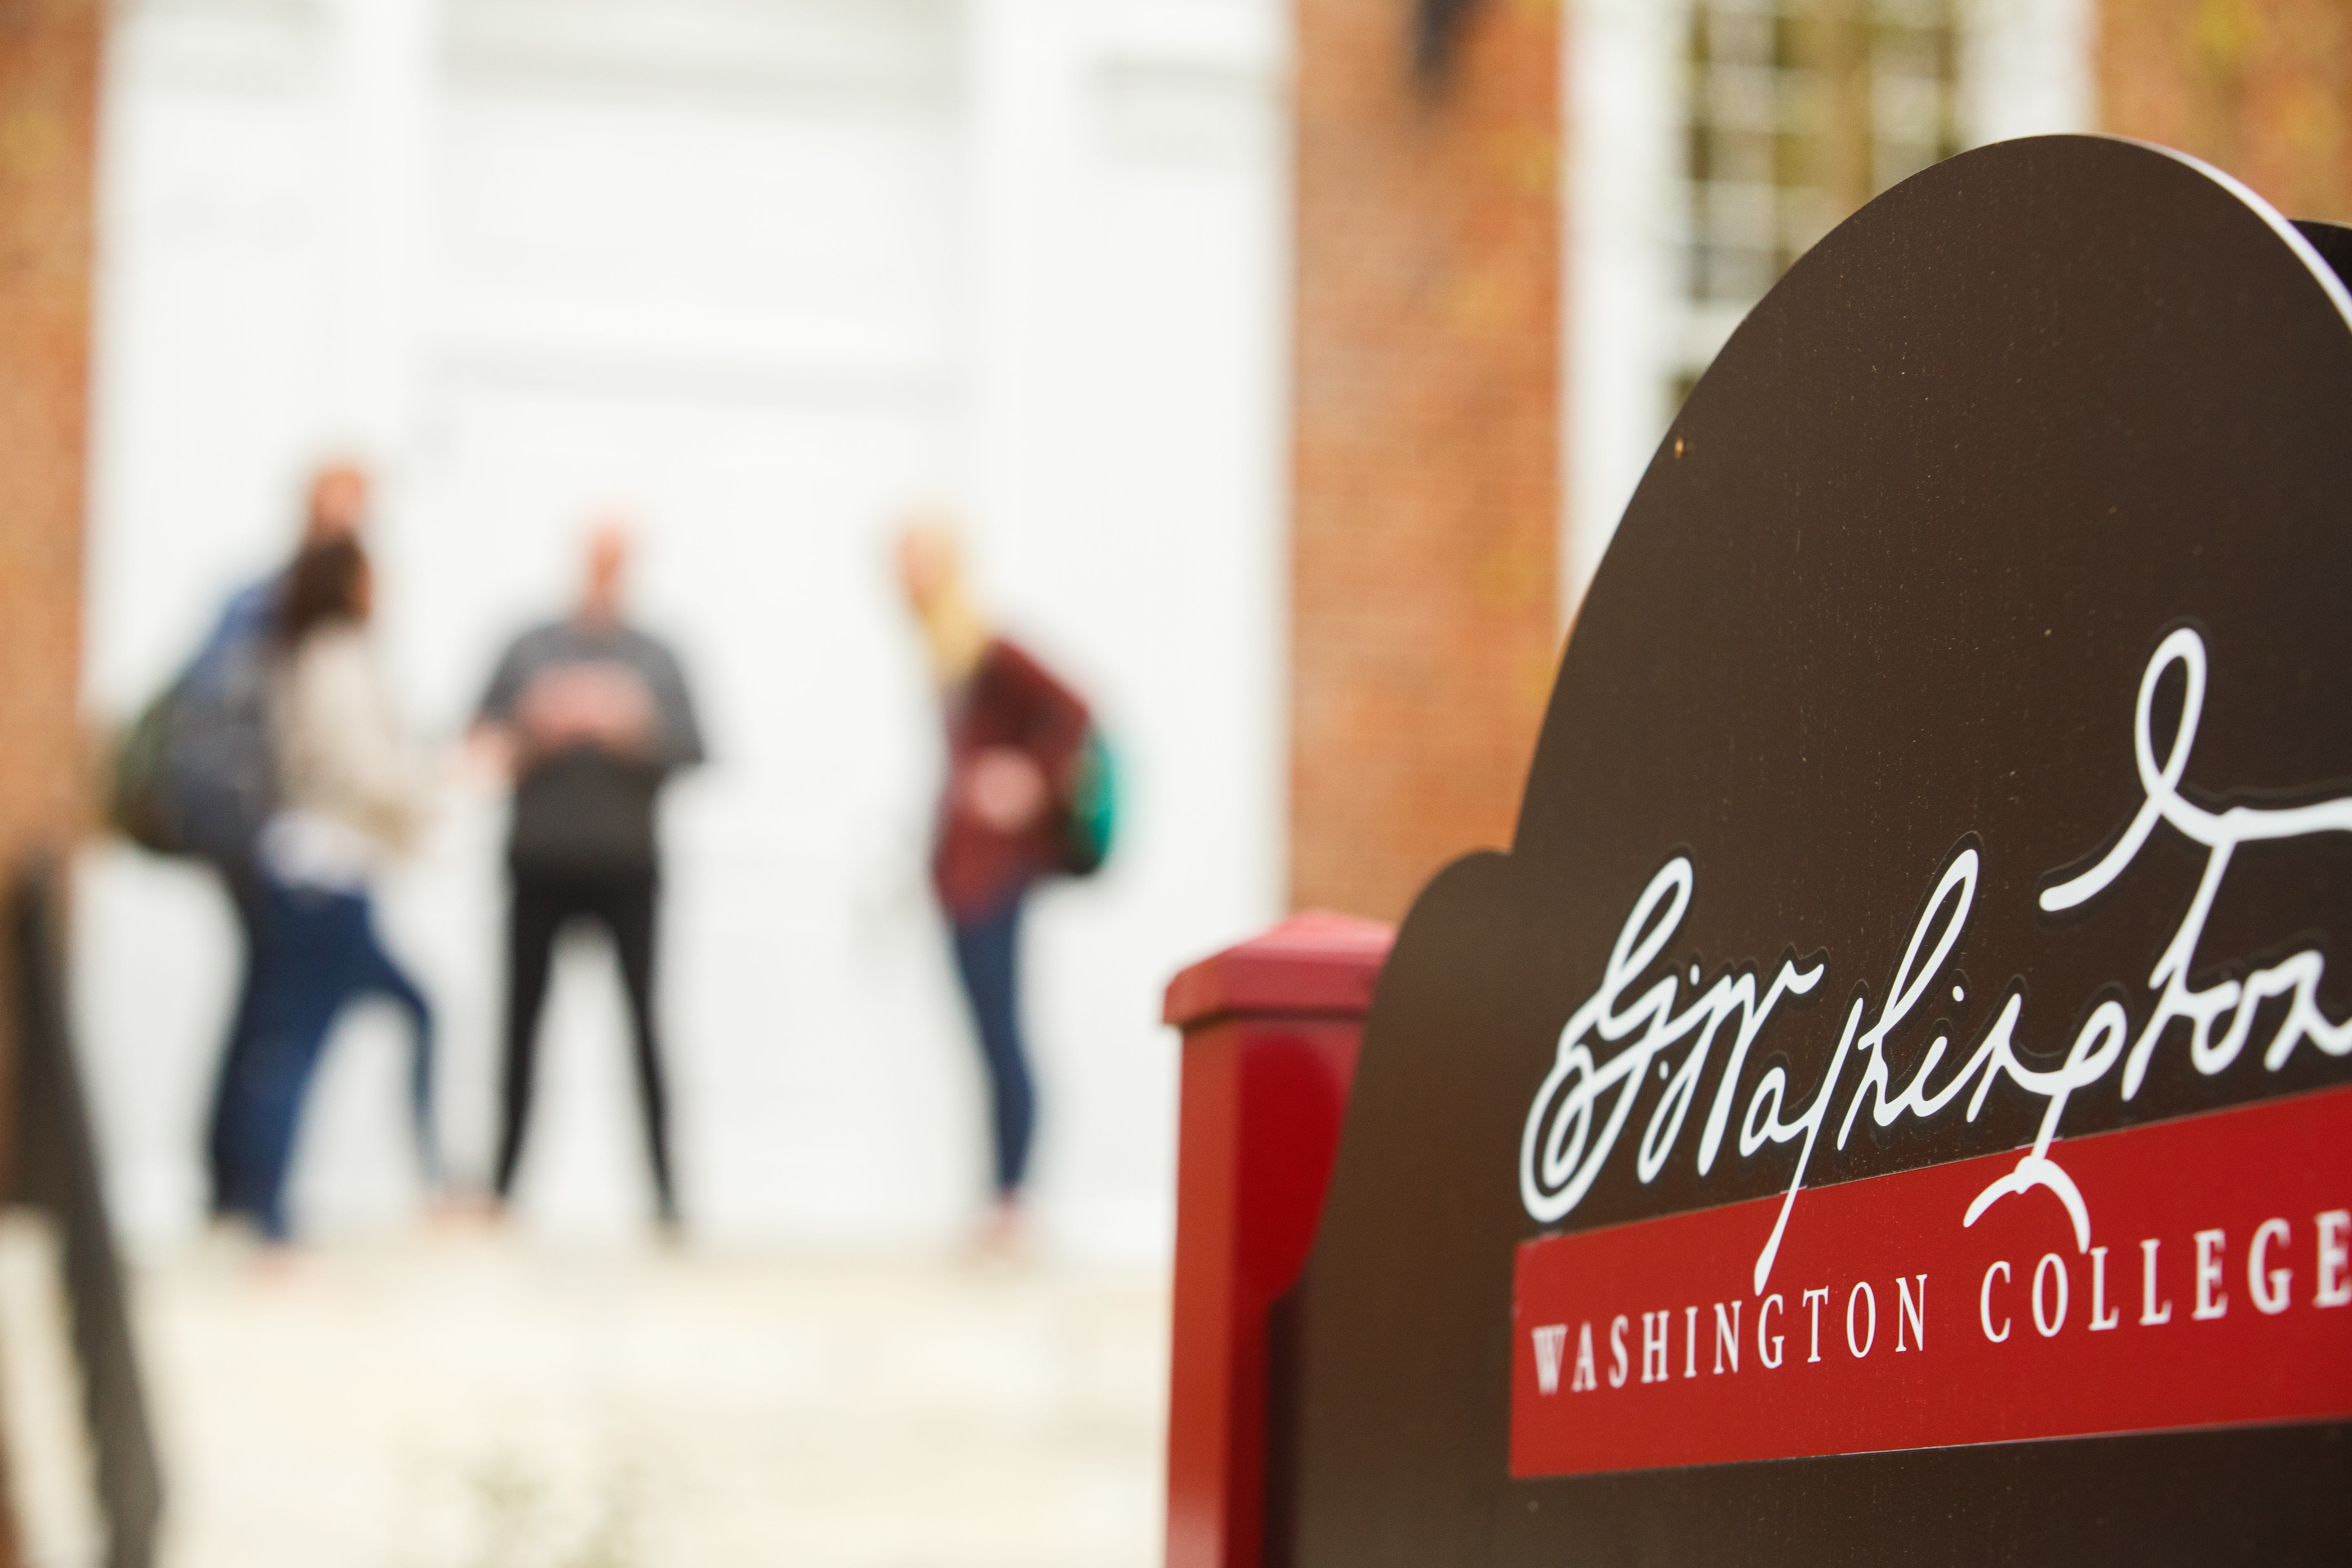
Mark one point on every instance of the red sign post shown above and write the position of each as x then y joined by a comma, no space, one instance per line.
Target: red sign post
1270,1031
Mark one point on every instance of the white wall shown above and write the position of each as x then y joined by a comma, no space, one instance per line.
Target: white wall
765,271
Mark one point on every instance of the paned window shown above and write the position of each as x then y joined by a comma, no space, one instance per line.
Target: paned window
1797,112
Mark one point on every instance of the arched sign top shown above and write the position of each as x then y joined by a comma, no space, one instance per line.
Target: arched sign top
1914,1020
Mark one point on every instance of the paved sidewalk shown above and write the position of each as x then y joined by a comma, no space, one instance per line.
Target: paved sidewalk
476,1404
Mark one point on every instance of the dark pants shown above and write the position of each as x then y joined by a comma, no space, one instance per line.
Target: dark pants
545,901
315,951
987,952
245,900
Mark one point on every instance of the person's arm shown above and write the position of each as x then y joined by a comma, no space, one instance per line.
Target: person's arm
1012,787
1056,719
679,743
243,622
247,614
498,699
492,745
635,709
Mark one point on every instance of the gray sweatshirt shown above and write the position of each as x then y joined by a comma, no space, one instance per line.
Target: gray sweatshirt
583,809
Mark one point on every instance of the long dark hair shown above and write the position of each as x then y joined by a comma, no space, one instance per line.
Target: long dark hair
328,582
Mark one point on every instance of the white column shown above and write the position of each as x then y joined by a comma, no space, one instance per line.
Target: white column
2025,69
383,71
1622,109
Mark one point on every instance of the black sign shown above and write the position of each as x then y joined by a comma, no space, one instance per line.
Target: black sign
1892,1103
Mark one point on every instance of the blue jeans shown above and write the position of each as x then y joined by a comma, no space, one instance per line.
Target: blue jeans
315,951
987,954
251,909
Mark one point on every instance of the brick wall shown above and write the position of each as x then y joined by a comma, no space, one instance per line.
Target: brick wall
1425,517
48,79
2260,87
49,76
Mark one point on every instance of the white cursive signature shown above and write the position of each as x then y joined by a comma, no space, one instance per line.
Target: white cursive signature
1562,1153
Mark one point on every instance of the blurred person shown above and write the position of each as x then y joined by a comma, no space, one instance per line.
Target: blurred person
588,716
335,507
1016,737
351,794
223,771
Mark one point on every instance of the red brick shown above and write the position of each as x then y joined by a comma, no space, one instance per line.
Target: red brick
48,83
1425,515
2261,89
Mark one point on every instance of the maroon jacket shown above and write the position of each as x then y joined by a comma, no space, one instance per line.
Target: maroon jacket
1010,700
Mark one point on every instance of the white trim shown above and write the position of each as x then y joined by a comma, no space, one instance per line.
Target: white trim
2270,215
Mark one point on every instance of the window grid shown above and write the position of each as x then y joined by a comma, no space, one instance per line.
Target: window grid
1798,111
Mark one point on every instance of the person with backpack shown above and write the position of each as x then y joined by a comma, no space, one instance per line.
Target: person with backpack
197,775
1026,795
349,794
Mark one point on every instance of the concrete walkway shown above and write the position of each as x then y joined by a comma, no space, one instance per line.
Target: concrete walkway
473,1403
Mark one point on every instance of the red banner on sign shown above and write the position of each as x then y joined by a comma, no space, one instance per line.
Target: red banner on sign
2216,1288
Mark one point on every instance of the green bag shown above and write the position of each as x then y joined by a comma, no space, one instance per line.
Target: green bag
1090,816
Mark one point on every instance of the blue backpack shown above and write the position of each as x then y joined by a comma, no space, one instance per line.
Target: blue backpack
196,773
